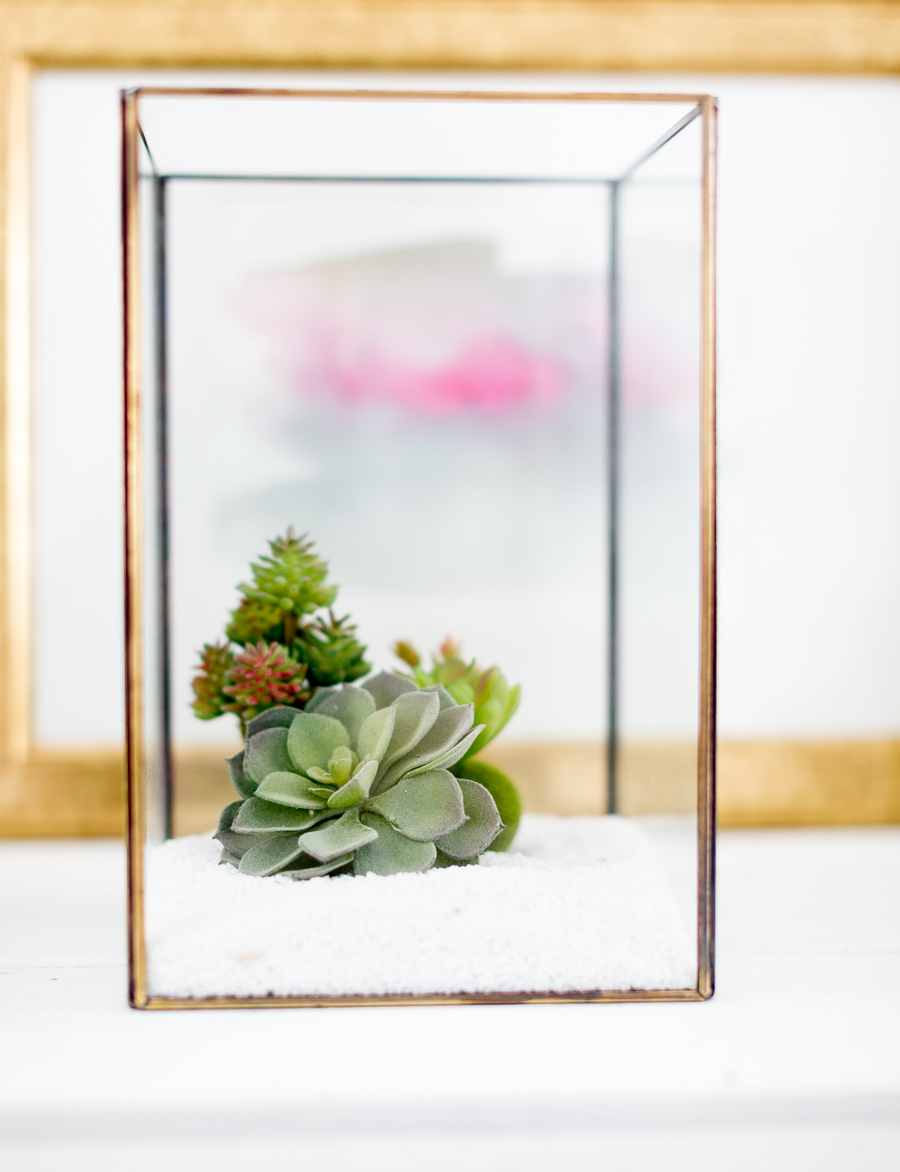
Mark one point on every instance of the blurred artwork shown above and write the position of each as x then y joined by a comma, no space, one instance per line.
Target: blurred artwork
436,330
433,400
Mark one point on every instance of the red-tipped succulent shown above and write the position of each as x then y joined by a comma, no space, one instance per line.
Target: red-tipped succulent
263,677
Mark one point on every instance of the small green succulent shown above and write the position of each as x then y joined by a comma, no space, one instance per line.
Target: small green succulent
359,782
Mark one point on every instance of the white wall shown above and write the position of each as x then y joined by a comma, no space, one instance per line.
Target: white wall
809,294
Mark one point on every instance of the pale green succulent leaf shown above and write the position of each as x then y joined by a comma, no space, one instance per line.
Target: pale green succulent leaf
415,713
512,704
462,692
267,753
357,788
318,774
443,695
503,791
391,852
291,789
443,860
319,696
270,856
387,686
350,705
278,717
338,837
258,814
229,857
481,828
244,785
449,728
452,755
423,808
234,843
312,739
490,713
321,869
375,734
342,764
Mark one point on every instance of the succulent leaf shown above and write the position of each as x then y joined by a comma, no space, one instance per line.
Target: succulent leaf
319,695
312,739
450,756
391,852
291,789
256,814
351,706
339,837
414,714
375,734
244,785
357,788
387,686
444,735
266,753
503,791
278,717
422,808
443,695
270,856
322,869
236,844
481,827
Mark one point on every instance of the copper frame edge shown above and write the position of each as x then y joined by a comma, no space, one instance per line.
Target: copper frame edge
139,998
706,772
415,95
135,818
429,999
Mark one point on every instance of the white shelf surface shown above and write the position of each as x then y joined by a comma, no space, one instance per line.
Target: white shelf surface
796,1060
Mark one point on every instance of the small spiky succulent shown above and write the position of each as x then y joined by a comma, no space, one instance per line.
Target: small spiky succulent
216,661
290,582
329,648
288,585
264,676
358,783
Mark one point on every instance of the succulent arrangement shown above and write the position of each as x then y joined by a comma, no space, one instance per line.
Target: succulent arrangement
336,777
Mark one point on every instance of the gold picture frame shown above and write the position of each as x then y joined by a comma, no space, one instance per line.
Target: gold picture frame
77,792
135,568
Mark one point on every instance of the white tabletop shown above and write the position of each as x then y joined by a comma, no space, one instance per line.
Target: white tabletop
796,1058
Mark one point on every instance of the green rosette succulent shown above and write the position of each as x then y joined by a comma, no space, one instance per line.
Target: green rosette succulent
359,782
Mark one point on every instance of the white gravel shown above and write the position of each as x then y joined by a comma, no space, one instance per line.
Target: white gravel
579,903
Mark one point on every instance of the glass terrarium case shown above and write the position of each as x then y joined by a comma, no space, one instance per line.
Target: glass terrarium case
420,546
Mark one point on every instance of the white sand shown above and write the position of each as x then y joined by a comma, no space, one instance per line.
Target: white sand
578,904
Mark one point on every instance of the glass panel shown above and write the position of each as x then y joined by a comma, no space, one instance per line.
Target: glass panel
388,324
660,214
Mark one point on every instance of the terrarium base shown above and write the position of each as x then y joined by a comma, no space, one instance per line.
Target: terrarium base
580,903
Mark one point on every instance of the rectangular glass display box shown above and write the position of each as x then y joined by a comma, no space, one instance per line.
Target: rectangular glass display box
464,343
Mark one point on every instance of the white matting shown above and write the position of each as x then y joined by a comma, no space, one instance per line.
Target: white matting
577,904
